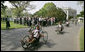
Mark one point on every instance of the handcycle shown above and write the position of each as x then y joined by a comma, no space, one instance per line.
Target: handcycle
59,29
67,25
26,44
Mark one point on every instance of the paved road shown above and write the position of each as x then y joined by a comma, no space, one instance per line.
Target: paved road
68,41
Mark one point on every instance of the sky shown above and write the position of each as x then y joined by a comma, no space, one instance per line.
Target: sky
61,4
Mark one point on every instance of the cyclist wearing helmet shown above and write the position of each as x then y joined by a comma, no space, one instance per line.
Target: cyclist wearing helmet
60,26
67,23
35,35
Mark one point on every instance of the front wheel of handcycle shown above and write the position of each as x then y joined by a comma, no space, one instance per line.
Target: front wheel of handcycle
24,42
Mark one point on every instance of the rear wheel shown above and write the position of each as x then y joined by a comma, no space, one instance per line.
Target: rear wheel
58,30
45,37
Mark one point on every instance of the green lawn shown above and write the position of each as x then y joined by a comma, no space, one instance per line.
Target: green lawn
12,25
82,39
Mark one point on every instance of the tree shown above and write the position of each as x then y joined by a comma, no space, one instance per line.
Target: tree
8,12
3,9
78,15
2,5
81,3
82,12
50,10
20,6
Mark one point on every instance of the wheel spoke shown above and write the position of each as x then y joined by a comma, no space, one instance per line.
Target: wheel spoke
25,41
45,38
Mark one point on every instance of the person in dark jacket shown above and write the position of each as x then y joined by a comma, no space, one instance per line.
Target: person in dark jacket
25,21
35,20
7,23
20,20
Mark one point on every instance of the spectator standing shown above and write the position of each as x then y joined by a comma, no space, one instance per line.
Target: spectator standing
20,20
29,21
32,21
7,23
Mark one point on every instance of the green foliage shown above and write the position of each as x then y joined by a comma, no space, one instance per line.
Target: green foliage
2,5
81,14
3,9
50,10
81,3
3,13
78,15
20,6
70,17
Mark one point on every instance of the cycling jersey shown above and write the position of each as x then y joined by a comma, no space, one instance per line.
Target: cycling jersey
36,33
59,25
67,22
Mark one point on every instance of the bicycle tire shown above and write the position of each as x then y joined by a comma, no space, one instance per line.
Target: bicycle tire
45,38
24,42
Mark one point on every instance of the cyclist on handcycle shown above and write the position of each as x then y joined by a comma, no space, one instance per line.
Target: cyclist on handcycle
33,38
60,26
35,35
67,23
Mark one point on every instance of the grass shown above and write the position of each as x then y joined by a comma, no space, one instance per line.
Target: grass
12,25
82,39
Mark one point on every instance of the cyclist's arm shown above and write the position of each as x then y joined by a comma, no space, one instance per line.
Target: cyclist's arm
32,40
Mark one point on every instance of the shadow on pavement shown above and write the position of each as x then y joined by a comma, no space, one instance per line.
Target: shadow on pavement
49,44
62,33
39,45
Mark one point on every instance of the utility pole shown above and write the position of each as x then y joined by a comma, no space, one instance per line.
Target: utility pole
67,14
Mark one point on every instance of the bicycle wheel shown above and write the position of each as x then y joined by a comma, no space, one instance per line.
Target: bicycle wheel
25,43
45,38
